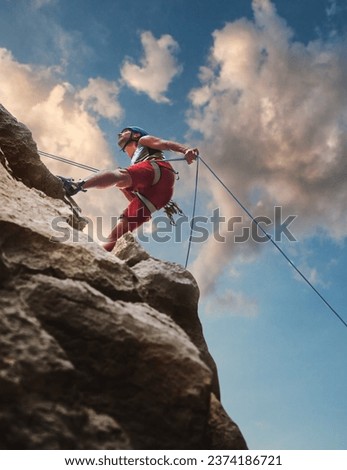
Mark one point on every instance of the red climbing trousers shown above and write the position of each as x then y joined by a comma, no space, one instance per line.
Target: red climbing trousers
152,188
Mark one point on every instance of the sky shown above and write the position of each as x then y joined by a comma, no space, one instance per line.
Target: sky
260,88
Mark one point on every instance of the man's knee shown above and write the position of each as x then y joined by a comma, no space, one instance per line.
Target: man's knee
122,178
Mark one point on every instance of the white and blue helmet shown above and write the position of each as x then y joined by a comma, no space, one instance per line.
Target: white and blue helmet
133,130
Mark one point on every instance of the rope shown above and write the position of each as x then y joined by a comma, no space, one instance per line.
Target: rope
69,162
275,244
180,159
193,211
90,168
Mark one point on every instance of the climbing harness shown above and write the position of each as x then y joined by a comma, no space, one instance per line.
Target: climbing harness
157,171
150,206
171,208
175,210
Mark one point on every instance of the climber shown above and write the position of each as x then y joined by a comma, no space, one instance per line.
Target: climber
147,183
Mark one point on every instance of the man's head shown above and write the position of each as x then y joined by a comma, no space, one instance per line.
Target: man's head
130,134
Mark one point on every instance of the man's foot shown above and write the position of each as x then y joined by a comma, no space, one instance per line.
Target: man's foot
71,186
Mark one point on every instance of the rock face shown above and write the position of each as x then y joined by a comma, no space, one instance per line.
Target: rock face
97,351
21,154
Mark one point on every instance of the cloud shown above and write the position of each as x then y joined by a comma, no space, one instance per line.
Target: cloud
272,116
331,9
157,67
100,96
40,3
231,303
61,122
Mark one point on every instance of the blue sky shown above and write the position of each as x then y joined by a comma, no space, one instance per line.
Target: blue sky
260,88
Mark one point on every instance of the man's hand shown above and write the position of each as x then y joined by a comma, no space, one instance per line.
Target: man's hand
191,155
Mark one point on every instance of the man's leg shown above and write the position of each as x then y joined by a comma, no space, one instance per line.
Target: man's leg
133,217
120,229
105,179
135,214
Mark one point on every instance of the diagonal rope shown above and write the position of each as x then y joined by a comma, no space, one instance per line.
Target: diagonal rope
69,162
275,244
193,211
87,167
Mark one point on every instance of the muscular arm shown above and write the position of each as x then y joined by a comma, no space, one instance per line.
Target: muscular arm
161,144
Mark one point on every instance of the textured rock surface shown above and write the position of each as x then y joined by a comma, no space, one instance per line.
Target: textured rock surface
20,150
92,356
171,289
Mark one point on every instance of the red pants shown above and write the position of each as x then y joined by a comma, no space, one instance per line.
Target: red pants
159,194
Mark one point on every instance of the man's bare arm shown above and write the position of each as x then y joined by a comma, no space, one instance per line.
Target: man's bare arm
190,154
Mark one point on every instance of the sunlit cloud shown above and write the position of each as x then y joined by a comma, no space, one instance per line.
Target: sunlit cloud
101,97
64,121
157,68
331,9
230,303
37,4
272,116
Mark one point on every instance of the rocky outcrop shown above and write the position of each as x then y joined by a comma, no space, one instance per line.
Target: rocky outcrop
171,289
20,152
97,350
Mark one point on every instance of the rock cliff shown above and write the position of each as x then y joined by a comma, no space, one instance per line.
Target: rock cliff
97,350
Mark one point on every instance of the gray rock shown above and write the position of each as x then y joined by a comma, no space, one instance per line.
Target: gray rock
129,250
29,240
171,289
37,381
131,354
222,432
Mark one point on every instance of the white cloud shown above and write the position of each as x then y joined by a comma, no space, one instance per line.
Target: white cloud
59,118
231,303
44,40
40,3
272,113
331,9
101,96
157,67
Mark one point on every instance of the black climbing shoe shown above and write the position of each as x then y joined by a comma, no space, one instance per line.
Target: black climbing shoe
71,186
